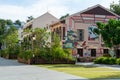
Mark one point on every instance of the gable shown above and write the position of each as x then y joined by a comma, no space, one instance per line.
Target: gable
92,15
44,20
99,11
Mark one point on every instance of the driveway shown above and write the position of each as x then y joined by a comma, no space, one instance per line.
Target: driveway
12,70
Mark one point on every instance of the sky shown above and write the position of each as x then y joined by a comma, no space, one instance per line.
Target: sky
21,9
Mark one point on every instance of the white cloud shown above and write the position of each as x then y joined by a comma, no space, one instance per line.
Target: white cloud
55,7
37,9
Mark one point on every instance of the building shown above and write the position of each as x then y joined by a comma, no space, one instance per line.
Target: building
42,21
88,44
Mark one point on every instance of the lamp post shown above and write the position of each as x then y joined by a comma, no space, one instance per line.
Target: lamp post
33,38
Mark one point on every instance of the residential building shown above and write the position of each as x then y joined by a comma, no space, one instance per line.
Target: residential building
42,21
88,44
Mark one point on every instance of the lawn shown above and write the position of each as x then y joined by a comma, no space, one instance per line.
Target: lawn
85,71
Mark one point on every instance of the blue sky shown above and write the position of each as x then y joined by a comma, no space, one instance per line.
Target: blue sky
21,9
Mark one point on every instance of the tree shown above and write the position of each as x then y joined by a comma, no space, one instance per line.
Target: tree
11,41
62,17
41,37
9,22
17,22
110,33
30,18
115,8
3,29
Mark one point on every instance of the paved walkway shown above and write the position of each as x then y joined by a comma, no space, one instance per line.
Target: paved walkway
117,67
12,70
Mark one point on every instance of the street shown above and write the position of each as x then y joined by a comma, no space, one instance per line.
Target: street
12,70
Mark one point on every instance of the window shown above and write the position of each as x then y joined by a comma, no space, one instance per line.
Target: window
105,51
63,33
80,34
93,52
118,53
80,52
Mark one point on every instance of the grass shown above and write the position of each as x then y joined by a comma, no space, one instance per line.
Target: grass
85,71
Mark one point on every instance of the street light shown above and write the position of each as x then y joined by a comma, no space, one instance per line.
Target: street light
33,38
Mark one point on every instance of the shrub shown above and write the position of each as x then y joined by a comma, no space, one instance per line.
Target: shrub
37,51
98,60
112,60
118,61
26,54
105,60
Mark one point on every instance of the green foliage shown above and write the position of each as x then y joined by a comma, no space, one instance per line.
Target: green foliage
110,32
62,17
28,54
3,29
115,8
41,36
118,61
42,49
29,18
112,60
98,60
18,22
36,51
105,60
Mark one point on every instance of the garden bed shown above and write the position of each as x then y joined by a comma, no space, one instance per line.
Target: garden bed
42,61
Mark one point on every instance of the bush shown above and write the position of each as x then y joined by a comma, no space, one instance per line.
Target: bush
105,60
98,60
118,61
112,60
26,54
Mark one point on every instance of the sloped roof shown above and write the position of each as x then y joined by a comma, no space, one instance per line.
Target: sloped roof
45,14
44,20
97,9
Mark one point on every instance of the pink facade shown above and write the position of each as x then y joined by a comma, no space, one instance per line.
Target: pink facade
89,44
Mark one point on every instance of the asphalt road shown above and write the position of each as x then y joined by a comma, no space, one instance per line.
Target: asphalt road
12,70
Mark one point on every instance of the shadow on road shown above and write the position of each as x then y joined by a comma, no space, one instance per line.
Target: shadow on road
7,62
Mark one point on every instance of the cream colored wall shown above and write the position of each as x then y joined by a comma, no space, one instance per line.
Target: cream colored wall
44,21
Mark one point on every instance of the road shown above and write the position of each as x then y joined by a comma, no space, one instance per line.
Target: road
12,70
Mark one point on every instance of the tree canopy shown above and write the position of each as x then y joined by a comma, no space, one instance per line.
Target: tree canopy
115,8
110,32
29,18
62,17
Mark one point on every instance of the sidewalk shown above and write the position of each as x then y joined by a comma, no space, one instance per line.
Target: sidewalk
117,67
12,70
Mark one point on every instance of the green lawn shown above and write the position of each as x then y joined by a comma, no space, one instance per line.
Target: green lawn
85,71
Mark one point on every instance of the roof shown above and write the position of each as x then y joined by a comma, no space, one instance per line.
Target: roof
47,13
42,21
28,24
97,9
